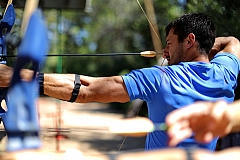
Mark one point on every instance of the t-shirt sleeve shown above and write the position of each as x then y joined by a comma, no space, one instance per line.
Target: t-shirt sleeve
143,83
230,61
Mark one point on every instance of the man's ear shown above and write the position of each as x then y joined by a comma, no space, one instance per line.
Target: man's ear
190,40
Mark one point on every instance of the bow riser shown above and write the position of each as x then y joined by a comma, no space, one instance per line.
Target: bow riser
22,124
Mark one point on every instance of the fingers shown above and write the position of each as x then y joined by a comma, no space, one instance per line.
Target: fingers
204,136
165,54
179,123
178,133
221,122
186,113
205,119
216,123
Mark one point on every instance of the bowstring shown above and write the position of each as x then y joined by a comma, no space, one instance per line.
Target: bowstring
139,4
148,20
150,25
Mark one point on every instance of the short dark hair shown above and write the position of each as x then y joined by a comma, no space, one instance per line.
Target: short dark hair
197,23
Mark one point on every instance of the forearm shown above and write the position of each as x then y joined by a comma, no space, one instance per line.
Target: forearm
58,86
226,44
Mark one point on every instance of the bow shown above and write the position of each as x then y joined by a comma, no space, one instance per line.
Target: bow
21,123
6,24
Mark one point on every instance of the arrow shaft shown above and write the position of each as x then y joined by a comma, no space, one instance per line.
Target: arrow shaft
84,55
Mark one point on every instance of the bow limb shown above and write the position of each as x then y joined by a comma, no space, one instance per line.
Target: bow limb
30,7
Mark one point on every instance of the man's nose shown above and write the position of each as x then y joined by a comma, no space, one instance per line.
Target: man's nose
165,53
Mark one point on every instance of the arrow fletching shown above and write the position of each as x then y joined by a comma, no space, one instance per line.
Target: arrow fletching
148,53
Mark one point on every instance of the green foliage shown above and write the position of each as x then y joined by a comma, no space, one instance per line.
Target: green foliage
111,27
225,14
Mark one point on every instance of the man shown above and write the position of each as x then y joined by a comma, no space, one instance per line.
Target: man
190,77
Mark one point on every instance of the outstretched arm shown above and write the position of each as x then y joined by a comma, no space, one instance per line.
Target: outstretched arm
206,120
93,89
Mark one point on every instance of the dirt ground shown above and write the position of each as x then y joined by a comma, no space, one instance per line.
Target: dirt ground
82,128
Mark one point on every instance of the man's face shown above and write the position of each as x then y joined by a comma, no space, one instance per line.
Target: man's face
173,51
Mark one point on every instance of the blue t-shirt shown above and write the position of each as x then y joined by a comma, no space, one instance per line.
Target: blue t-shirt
169,87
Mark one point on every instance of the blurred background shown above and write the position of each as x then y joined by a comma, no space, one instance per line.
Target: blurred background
117,26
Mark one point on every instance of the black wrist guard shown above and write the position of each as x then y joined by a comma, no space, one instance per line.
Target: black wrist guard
40,78
77,85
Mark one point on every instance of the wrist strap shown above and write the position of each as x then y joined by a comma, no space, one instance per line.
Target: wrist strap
40,78
77,85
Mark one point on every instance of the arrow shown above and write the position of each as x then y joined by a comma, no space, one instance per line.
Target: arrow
134,127
148,54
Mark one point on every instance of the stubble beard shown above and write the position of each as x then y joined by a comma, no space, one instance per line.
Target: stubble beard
178,55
